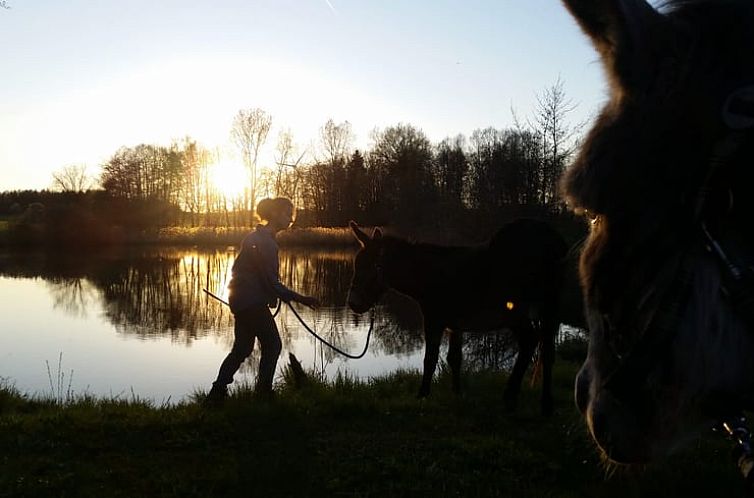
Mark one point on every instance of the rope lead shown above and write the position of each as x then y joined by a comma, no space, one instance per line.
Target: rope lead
308,329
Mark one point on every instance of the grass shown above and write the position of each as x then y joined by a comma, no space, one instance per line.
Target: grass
343,438
298,237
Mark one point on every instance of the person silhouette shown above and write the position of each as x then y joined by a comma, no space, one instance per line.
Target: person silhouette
255,287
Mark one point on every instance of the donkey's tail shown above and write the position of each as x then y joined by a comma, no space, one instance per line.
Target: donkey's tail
536,372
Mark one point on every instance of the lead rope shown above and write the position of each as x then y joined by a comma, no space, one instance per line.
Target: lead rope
277,308
312,332
332,346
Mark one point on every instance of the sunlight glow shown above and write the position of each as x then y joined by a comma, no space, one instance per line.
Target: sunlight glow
229,178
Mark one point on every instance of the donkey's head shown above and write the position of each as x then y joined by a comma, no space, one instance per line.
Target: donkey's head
663,340
367,285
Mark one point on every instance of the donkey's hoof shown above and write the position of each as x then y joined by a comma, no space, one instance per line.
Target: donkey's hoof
422,394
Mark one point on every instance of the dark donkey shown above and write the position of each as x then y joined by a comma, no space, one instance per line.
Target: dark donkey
666,177
513,282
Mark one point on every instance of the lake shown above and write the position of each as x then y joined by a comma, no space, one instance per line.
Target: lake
136,323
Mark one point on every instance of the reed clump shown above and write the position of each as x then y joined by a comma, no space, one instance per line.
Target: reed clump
232,236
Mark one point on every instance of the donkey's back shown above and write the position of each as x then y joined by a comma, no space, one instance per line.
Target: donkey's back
525,261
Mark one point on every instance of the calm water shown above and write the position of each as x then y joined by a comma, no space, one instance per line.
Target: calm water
138,323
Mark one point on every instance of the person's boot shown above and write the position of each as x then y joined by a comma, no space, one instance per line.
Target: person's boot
217,395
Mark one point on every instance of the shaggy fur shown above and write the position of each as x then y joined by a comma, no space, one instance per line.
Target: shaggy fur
641,176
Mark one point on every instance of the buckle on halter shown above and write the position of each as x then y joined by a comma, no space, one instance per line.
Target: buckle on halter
738,110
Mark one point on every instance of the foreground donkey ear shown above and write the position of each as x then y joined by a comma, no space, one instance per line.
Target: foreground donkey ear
359,233
377,233
625,32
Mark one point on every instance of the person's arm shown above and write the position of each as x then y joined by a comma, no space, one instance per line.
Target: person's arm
269,266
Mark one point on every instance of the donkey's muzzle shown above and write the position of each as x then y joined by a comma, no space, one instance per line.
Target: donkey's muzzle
357,304
617,430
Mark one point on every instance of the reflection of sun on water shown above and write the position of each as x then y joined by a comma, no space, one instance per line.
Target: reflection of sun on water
210,272
224,280
229,178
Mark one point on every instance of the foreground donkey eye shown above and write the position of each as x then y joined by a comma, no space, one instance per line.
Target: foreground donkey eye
593,218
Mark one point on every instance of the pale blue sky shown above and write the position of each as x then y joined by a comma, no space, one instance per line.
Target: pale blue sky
81,78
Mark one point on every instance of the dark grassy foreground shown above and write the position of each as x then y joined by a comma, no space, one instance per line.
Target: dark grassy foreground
346,439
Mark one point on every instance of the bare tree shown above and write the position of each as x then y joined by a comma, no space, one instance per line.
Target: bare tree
249,133
72,178
336,140
287,175
558,136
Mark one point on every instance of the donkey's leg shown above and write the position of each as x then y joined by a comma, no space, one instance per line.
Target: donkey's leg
432,339
547,351
454,358
526,346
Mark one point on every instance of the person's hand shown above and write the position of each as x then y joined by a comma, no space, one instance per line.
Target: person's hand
309,302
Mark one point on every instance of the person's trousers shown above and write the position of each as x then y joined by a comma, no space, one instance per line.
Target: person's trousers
253,323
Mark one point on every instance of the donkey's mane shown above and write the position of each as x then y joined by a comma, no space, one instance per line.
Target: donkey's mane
397,245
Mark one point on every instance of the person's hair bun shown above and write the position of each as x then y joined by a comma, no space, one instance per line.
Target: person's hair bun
267,208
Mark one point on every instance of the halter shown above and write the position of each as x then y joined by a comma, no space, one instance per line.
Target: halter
734,260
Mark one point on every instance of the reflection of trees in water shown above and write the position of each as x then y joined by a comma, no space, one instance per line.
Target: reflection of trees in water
158,293
324,274
161,294
489,351
72,295
399,329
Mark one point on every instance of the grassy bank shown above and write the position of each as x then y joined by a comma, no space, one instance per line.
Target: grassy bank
37,236
209,236
347,438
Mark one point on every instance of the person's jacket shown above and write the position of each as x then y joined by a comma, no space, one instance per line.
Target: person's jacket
255,279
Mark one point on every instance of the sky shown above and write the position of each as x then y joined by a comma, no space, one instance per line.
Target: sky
81,78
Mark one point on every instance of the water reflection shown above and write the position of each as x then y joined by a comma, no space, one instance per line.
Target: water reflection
156,295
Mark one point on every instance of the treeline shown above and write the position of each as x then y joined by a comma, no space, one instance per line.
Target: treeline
406,178
401,179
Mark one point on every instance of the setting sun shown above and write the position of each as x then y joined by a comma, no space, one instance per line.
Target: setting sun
229,178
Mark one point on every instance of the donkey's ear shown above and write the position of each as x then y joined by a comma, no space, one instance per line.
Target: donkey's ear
359,233
623,31
377,233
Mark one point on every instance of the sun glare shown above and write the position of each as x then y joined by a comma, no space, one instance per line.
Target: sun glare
230,178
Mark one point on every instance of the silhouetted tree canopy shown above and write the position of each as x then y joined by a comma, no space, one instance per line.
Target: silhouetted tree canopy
402,178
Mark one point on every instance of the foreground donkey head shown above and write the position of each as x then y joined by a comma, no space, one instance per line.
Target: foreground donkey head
665,175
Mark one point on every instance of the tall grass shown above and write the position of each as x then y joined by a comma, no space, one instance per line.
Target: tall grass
61,393
232,236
